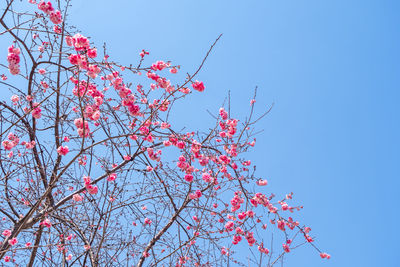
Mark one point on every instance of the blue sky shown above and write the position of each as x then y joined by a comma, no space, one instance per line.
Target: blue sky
332,70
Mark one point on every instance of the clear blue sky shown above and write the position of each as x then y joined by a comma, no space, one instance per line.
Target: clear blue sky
332,70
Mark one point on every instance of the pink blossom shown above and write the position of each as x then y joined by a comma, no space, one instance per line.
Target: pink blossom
92,189
250,213
13,60
325,255
147,221
7,145
14,69
56,17
236,239
62,150
45,7
188,178
159,65
13,241
206,177
80,42
250,238
143,53
223,114
281,225
262,249
37,111
112,177
239,230
242,215
83,127
77,197
46,222
286,248
57,29
44,84
229,226
199,86
92,53
149,168
262,182
30,145
6,233
223,251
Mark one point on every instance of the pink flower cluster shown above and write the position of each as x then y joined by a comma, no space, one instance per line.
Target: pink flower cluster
89,187
160,65
195,195
13,241
262,249
153,155
13,60
262,182
83,127
250,238
55,15
161,82
261,199
147,221
325,255
6,233
223,114
207,177
77,197
199,86
92,111
229,226
82,44
28,145
228,128
286,248
62,150
128,99
12,141
143,53
15,99
112,177
46,222
36,111
236,201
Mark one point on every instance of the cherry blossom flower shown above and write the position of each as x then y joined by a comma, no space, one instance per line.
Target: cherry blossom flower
62,150
199,86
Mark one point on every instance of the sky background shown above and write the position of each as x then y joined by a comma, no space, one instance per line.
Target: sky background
331,68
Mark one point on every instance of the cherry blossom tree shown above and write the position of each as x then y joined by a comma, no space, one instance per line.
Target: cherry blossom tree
94,173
